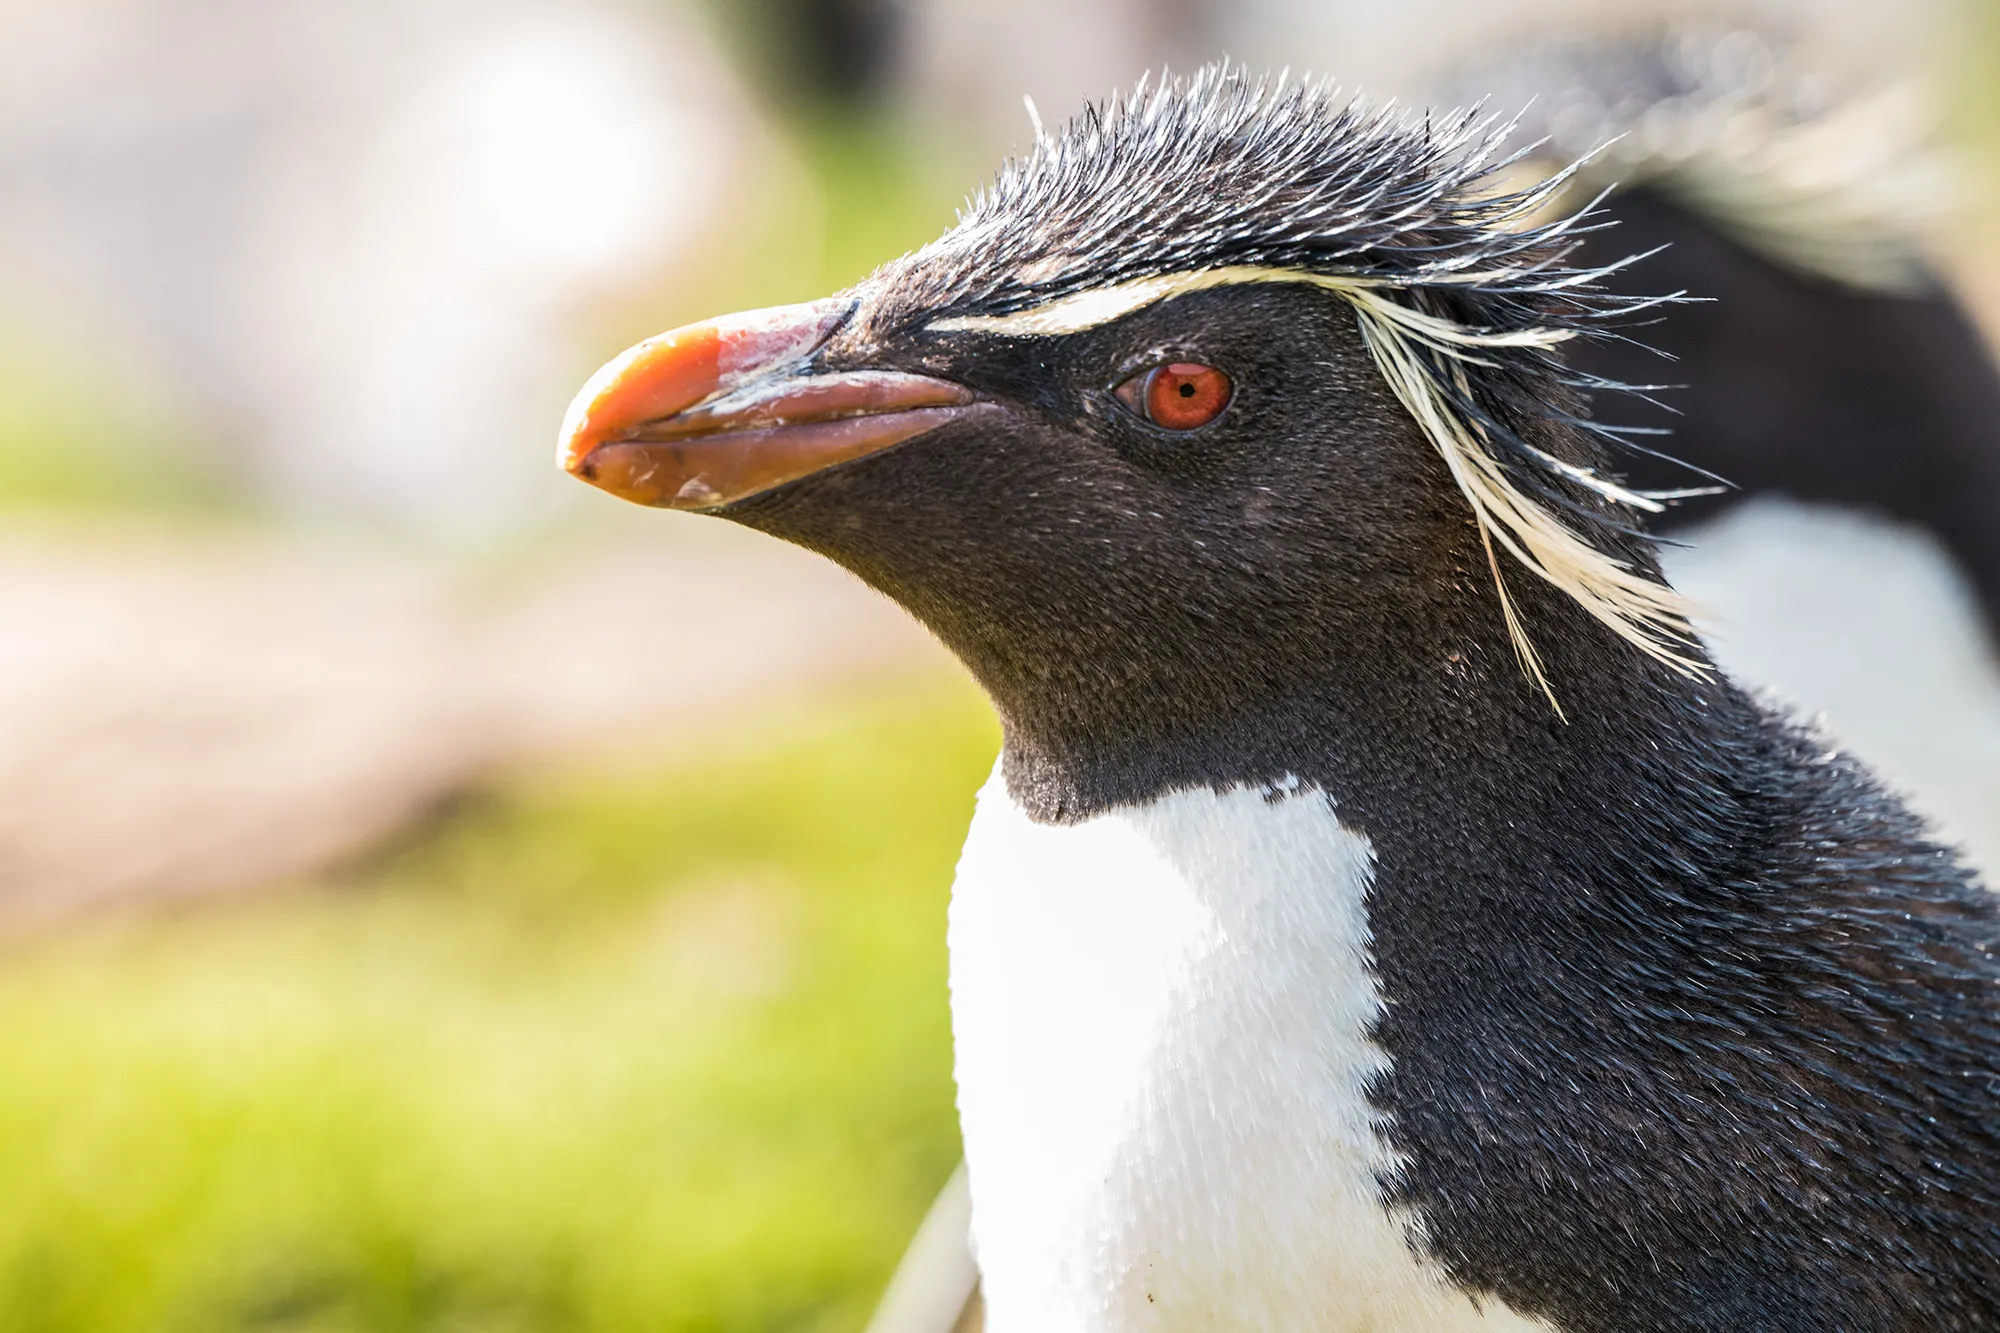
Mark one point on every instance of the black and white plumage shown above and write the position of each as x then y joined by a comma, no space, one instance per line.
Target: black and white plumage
1310,971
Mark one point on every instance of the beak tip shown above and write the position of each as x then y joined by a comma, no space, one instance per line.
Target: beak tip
573,457
573,445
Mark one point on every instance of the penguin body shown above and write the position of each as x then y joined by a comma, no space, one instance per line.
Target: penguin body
1383,915
1164,1013
1707,1090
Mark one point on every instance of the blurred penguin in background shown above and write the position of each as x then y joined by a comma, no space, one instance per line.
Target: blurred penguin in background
1825,357
1825,373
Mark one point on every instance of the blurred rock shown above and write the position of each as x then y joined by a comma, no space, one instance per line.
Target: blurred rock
192,716
819,54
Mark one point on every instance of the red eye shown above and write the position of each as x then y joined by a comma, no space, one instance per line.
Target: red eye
1181,396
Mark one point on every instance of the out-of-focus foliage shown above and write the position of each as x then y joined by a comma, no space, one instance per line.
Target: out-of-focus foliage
665,1051
1977,83
81,432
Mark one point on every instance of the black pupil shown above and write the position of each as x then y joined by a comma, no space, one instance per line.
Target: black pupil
1187,388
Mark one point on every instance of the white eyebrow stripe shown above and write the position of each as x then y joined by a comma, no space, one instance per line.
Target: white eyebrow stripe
1100,306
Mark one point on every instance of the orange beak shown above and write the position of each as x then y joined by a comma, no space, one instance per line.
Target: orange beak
725,409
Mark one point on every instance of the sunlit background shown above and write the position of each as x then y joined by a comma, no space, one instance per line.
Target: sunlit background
434,896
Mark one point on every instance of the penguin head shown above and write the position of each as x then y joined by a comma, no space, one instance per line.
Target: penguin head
1223,385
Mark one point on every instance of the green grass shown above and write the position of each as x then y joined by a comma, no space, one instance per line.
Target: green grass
1970,64
664,1051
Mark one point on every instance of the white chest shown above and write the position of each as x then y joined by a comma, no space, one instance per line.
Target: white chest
1161,1020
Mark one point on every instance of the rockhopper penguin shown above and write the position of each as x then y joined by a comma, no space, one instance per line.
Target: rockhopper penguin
1381,917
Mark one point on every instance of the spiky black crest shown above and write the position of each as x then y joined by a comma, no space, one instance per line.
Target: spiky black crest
1221,179
1221,170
